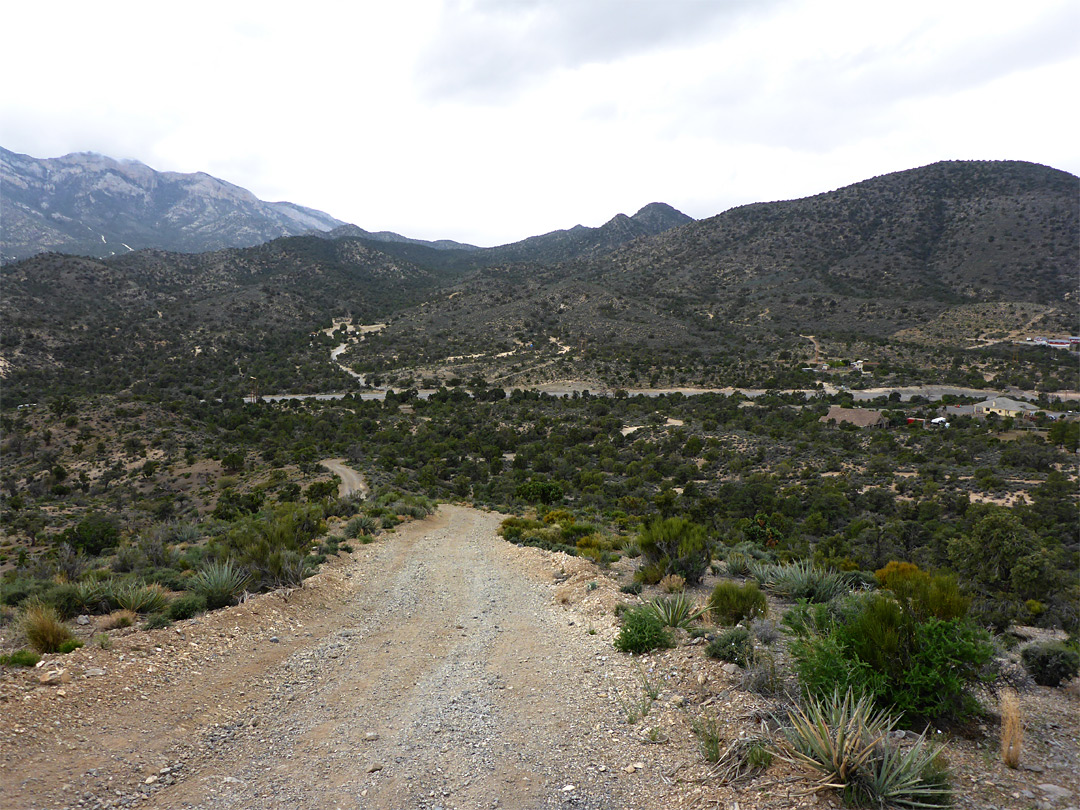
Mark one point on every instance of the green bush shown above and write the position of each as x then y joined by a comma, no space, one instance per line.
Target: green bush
68,646
731,603
1051,662
681,546
732,645
924,595
633,588
871,645
157,621
642,631
20,658
187,606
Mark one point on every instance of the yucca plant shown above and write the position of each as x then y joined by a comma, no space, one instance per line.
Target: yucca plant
359,525
738,564
220,584
139,598
847,740
676,611
95,596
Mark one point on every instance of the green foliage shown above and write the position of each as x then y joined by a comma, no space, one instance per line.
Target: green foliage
272,545
642,631
801,580
732,645
847,741
873,646
44,630
1051,662
157,621
219,584
140,598
539,492
681,546
95,533
187,606
676,611
361,524
731,603
709,734
69,646
20,658
924,595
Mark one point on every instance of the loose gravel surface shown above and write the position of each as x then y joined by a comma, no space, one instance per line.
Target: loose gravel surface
440,667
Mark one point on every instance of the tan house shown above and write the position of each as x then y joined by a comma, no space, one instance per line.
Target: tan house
1004,406
859,417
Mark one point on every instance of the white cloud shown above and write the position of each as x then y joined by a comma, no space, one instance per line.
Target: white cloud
489,121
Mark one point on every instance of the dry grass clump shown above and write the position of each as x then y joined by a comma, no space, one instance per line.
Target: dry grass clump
1012,728
672,583
120,618
43,628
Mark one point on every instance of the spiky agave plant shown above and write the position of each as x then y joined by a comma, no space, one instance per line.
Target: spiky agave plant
676,611
846,739
220,584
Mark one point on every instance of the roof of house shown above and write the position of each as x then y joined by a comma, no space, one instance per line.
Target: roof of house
1005,404
860,417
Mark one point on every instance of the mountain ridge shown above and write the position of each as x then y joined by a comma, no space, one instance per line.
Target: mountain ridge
90,204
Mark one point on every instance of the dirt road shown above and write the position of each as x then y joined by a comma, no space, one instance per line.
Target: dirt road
351,480
433,670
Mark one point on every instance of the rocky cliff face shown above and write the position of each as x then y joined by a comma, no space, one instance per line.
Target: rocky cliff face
93,205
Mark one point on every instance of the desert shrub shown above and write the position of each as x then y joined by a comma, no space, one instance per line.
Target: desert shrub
924,595
219,584
388,521
43,628
871,645
762,676
847,740
764,630
271,547
168,578
361,524
731,603
186,607
676,611
20,658
157,621
650,573
120,618
64,597
672,583
69,646
732,645
1050,662
140,598
642,631
683,547
631,588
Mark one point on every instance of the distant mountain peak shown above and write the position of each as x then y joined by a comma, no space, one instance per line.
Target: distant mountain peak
91,204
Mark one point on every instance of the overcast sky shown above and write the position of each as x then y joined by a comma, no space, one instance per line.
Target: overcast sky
487,121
